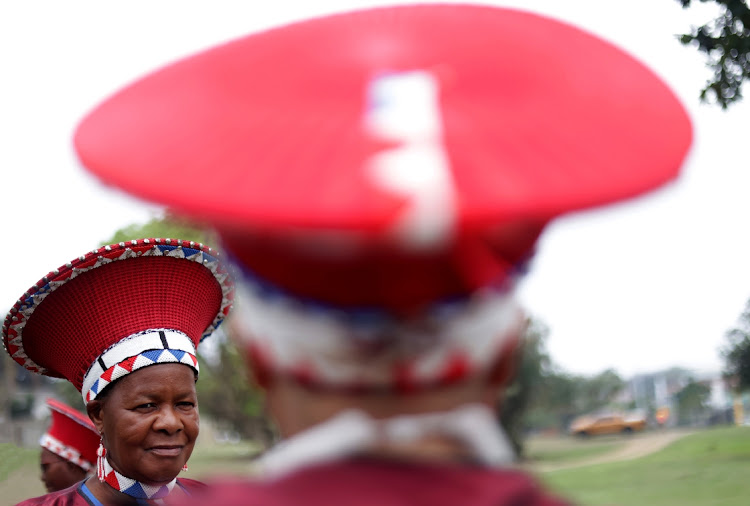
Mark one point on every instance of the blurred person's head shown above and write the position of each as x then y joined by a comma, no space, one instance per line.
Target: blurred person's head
68,452
59,473
380,179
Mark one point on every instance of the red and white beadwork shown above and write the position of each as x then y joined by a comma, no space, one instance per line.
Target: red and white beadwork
156,346
129,486
71,435
324,346
67,452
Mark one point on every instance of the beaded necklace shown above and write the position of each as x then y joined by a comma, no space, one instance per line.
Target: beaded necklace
129,486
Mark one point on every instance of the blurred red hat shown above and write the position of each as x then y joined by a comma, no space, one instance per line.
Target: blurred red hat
381,176
119,308
391,156
71,435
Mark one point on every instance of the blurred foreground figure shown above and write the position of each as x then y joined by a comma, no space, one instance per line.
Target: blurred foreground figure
380,179
68,447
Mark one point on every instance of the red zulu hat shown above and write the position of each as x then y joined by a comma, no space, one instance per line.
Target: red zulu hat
71,435
394,156
119,308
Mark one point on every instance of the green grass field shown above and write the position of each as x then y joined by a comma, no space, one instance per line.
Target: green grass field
568,449
711,467
19,473
13,458
229,459
19,467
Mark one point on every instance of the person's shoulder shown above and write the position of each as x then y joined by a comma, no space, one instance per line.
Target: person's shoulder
66,497
409,482
515,487
228,492
376,482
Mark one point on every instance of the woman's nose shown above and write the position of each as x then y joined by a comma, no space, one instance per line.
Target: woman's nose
168,420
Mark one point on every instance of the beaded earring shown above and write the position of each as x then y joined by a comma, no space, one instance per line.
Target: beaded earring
101,452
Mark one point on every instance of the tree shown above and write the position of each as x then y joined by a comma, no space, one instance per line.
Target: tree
726,43
226,392
533,360
598,391
692,401
553,404
736,352
168,225
559,397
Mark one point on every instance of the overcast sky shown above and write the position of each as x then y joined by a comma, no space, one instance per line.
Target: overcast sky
638,287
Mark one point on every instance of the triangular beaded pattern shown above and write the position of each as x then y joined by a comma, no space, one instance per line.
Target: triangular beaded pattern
132,487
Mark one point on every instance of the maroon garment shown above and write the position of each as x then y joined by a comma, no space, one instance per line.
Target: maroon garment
66,497
378,483
73,496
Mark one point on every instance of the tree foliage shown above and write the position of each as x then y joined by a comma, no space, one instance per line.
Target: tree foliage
726,44
692,401
167,226
542,396
598,391
560,396
736,352
533,360
553,403
228,395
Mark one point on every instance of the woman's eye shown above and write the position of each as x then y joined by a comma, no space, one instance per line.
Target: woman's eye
146,406
186,405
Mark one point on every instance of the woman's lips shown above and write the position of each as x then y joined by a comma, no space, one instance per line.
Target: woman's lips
166,451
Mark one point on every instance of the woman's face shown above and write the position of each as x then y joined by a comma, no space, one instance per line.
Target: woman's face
149,422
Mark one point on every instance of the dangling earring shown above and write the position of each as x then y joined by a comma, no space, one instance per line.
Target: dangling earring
101,452
184,468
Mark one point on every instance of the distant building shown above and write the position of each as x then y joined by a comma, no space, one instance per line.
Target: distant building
656,394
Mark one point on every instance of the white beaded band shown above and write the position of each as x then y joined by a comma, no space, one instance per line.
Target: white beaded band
336,348
153,346
64,451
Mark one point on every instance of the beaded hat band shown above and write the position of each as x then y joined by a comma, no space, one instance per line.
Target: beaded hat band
71,435
64,451
370,349
146,348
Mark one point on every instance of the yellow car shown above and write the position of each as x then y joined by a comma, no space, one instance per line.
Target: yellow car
607,424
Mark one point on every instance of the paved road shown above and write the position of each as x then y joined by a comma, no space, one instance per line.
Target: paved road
637,446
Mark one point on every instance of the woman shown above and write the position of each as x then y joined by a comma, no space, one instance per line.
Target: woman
122,323
68,447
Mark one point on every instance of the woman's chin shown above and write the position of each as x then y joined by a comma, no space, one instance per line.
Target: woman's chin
157,475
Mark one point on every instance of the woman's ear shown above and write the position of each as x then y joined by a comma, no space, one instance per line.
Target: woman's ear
95,410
